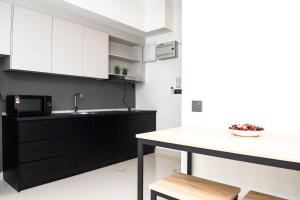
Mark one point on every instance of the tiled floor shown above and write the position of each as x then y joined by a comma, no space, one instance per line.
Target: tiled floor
116,182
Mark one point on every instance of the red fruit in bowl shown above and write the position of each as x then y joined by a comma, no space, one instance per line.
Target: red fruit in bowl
246,127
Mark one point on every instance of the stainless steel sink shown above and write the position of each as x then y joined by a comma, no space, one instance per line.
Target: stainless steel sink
97,112
81,113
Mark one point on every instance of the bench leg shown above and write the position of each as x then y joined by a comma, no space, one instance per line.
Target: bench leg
189,163
153,195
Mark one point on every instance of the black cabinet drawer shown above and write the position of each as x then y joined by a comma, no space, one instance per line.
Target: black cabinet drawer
39,130
39,172
40,150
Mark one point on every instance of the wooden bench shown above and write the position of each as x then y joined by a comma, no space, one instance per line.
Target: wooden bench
252,195
180,186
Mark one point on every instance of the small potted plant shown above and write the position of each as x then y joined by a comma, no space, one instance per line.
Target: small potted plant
117,69
125,71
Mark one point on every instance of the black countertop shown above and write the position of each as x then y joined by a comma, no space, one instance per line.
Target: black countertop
78,115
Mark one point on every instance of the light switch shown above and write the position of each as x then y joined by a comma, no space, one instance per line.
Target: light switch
197,106
178,82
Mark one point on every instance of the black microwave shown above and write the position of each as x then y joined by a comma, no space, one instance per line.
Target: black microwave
28,105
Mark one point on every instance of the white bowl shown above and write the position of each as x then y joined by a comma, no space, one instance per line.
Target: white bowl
246,133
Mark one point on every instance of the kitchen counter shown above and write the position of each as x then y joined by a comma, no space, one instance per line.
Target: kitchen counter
83,114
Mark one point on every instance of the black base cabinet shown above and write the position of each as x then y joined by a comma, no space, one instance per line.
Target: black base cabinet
105,141
41,150
77,144
129,127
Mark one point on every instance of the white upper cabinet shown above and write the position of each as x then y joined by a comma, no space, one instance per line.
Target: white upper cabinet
5,26
41,43
95,54
67,49
31,46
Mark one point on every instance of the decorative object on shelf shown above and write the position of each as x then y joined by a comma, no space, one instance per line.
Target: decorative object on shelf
117,69
125,71
127,78
246,130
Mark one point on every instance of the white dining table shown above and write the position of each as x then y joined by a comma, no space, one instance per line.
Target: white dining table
272,149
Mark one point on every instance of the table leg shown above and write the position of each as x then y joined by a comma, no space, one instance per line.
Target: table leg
189,163
153,195
140,180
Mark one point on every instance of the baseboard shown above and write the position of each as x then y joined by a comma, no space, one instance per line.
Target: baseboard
168,153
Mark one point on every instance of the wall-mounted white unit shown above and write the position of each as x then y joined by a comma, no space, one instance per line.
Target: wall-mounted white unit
5,27
67,47
95,54
167,50
31,46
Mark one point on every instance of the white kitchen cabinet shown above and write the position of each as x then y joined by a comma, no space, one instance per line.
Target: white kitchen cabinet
31,41
95,54
5,26
67,48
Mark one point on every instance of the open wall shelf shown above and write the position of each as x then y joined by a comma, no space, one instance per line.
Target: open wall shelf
124,77
126,55
122,58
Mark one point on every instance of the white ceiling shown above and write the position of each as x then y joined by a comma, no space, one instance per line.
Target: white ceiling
129,12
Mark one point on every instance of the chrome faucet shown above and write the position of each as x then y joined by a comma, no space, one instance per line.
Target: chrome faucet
75,101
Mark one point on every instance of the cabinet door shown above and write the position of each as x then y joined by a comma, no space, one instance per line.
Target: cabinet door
146,123
5,26
95,54
127,137
129,126
67,48
105,140
31,50
76,144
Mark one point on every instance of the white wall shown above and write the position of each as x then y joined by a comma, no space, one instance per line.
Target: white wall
242,59
160,76
129,12
145,15
154,14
